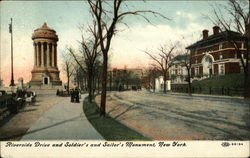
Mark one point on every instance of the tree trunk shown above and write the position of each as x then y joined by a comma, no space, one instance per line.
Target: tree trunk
154,84
189,82
93,83
68,85
104,84
246,73
82,83
164,82
68,76
110,81
85,83
77,78
98,83
90,85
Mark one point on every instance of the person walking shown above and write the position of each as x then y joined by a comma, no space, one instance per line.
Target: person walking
77,95
71,96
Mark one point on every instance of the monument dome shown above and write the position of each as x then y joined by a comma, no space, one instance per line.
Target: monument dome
45,32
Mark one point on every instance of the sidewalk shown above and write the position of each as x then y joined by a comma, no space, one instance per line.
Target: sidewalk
64,121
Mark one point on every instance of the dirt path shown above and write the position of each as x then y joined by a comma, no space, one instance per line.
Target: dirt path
169,117
16,126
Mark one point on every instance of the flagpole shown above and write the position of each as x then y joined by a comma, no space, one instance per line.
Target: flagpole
12,74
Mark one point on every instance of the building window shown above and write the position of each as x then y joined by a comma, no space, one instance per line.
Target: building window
242,45
221,69
179,71
242,55
196,71
220,46
221,56
196,61
235,55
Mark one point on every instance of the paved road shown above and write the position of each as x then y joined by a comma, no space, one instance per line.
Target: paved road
162,116
63,121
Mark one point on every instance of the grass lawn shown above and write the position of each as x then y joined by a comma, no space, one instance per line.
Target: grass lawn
108,127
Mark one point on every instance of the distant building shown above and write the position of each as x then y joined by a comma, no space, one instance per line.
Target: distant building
159,84
178,71
126,77
45,73
135,71
215,55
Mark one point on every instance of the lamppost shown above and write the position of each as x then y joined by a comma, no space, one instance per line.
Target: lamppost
11,33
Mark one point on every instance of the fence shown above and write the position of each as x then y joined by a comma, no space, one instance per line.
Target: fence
211,90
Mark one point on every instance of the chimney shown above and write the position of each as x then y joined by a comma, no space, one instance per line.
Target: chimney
205,34
216,30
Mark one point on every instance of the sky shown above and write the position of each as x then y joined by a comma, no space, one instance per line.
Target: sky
128,45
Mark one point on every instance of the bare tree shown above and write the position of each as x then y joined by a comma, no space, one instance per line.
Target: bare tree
106,31
89,53
68,68
237,19
80,76
88,56
153,73
184,58
97,74
163,62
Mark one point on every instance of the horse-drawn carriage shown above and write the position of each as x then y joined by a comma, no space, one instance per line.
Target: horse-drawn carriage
11,103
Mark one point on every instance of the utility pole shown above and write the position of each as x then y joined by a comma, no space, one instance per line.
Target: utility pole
0,70
12,74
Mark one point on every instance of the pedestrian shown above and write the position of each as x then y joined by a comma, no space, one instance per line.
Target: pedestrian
71,95
77,95
80,92
120,87
57,92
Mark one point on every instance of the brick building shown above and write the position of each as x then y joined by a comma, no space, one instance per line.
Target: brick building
215,55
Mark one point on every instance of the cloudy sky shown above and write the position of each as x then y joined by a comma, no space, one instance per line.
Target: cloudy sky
187,20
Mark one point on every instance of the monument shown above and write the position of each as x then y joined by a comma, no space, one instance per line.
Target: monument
45,73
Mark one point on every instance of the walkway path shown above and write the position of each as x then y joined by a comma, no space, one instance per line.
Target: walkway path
64,121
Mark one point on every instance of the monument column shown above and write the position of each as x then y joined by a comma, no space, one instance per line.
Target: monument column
38,49
55,55
42,55
52,55
47,53
35,54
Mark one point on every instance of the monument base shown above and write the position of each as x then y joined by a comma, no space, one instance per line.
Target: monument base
40,85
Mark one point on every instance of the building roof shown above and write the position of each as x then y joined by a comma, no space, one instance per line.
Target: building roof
181,57
213,39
